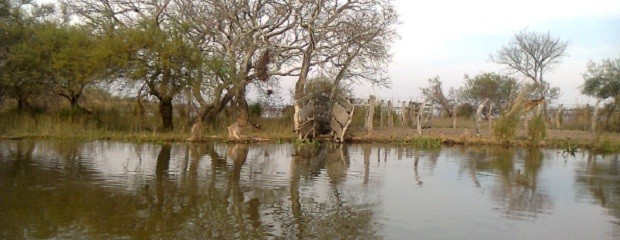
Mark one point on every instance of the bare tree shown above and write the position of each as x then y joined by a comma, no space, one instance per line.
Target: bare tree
532,54
241,43
347,40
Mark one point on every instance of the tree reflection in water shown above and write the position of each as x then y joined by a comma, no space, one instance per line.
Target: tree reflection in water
515,190
197,191
342,218
112,190
598,179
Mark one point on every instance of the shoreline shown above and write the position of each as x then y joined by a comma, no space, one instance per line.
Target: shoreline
430,138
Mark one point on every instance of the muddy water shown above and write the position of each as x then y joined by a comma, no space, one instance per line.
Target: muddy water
118,190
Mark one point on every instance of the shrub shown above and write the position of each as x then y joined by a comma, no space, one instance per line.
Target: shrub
255,109
537,129
505,128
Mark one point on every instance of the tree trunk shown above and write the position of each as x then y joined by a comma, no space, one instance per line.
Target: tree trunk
404,113
301,80
489,114
419,118
594,117
210,112
454,116
479,116
165,111
390,115
412,114
558,117
196,132
74,100
23,105
370,114
235,129
381,115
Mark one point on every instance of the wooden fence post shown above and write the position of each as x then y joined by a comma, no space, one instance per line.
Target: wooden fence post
381,115
412,114
454,116
370,114
479,116
404,114
429,114
558,116
594,117
489,114
420,117
390,116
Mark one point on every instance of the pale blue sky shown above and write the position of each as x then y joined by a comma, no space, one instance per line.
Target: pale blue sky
448,39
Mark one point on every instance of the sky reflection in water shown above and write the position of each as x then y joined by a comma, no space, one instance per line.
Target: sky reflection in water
100,189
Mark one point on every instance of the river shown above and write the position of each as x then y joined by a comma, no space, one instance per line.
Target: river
122,190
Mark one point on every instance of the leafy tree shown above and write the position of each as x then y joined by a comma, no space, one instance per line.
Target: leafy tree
160,60
496,87
27,42
79,60
602,80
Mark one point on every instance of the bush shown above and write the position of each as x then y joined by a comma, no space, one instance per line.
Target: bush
255,109
465,110
505,128
537,129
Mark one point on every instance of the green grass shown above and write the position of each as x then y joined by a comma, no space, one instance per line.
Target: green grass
606,146
422,142
537,130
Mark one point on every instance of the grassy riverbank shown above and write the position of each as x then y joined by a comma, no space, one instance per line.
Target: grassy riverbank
280,130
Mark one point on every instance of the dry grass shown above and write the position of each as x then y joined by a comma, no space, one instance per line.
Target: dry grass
130,128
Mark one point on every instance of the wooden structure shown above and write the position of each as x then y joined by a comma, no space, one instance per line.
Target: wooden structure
318,116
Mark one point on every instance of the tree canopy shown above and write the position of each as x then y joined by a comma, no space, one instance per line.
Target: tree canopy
496,87
602,80
203,53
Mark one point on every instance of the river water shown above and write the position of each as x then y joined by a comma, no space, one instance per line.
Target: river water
121,190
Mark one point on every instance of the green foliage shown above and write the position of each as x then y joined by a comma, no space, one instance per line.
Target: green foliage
324,85
602,80
537,129
569,148
465,110
306,144
505,127
496,87
255,109
423,142
606,146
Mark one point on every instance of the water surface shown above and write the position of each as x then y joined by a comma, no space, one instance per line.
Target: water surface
119,190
